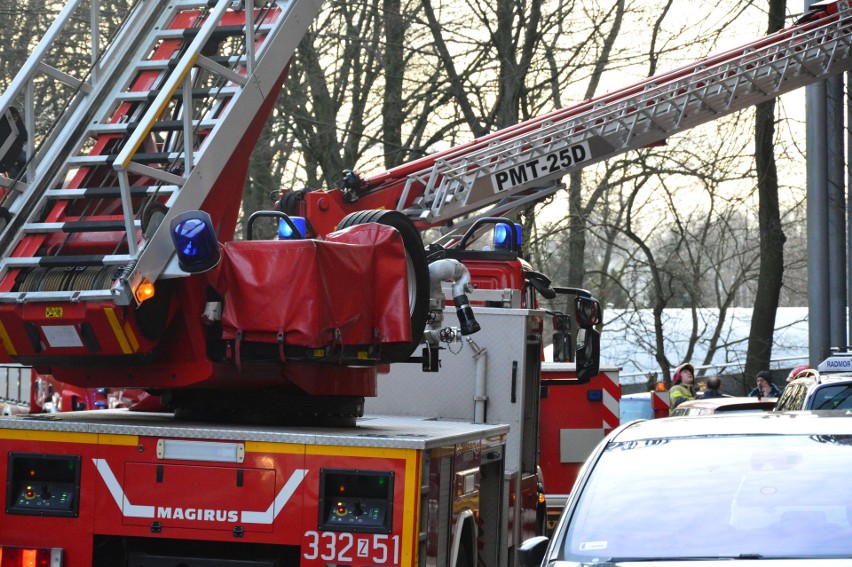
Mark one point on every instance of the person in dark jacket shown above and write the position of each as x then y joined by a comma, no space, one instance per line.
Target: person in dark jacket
765,388
713,389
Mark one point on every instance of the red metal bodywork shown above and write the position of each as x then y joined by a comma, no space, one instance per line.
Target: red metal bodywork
205,501
285,292
136,497
574,418
162,341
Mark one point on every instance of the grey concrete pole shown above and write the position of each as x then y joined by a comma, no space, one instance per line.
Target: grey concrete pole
817,224
836,167
849,204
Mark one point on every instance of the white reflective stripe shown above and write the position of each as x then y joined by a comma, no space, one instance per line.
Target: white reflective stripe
278,504
134,511
127,509
612,406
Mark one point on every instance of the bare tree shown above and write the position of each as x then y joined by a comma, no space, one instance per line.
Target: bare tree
22,26
377,83
676,237
577,211
772,237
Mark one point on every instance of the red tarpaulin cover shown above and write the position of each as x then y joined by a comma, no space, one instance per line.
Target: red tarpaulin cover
351,283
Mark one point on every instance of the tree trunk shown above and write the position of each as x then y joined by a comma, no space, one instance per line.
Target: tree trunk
394,68
577,213
771,234
259,186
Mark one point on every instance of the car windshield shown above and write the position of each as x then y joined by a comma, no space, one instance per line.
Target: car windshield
718,496
837,396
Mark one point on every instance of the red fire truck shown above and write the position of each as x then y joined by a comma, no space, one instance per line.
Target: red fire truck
16,387
23,390
118,267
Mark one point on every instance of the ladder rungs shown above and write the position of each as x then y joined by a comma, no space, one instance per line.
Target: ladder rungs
73,296
175,62
117,128
173,125
145,96
77,226
164,125
66,261
161,64
109,192
158,157
81,161
192,3
155,64
231,61
221,32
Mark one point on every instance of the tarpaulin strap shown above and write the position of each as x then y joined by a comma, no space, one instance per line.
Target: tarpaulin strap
336,340
237,340
280,338
377,343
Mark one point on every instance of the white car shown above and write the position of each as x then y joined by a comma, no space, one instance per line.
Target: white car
764,488
824,392
723,404
827,388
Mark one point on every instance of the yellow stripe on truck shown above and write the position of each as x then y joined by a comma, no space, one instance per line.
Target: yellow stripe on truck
69,437
123,342
131,337
7,342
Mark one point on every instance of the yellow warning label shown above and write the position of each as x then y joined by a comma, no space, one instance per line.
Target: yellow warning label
53,312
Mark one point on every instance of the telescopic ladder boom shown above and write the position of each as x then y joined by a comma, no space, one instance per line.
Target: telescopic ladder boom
149,133
145,135
523,164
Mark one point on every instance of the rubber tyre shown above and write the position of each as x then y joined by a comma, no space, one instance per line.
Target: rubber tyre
418,275
271,406
291,201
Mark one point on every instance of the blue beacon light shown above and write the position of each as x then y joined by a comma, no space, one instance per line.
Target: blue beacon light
503,236
285,231
195,241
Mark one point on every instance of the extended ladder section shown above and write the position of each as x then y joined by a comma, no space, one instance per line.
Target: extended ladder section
144,135
523,164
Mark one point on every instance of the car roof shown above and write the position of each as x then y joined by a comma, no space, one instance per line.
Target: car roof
636,396
838,377
729,403
739,423
818,378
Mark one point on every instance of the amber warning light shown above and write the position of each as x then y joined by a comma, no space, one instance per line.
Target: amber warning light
144,291
30,557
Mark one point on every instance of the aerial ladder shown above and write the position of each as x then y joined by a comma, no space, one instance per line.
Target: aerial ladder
156,126
506,171
162,125
160,121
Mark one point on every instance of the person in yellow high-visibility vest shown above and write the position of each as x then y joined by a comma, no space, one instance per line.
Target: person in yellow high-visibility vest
683,382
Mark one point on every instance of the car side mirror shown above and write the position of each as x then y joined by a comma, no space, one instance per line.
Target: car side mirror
588,313
588,355
531,552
